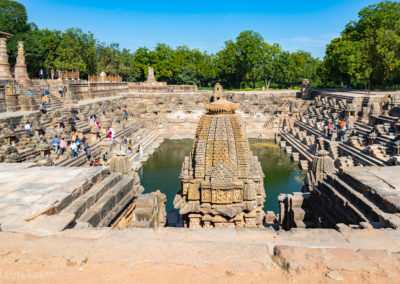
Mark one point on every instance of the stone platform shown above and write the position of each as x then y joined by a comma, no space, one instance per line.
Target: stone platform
171,255
26,191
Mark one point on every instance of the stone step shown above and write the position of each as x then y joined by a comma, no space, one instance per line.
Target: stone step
300,214
106,203
342,205
305,224
80,205
134,193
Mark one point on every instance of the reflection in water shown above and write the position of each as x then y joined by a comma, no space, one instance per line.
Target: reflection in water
162,169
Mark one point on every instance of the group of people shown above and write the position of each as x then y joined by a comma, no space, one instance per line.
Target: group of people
62,91
59,144
46,74
97,162
92,120
340,126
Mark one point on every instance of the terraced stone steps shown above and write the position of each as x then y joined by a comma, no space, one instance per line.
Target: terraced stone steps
149,143
106,203
81,205
357,198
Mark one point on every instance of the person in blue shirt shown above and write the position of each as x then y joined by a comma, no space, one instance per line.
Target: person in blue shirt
55,142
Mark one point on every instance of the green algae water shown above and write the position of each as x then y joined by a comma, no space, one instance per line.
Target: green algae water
162,169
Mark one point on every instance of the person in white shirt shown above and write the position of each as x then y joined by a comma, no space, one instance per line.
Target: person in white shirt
112,133
27,128
74,149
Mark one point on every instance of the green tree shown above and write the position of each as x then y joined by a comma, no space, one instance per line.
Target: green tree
249,46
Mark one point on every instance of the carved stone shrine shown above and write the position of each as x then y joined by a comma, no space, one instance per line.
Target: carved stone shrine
222,182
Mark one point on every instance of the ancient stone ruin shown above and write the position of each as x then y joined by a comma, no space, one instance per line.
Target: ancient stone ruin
222,182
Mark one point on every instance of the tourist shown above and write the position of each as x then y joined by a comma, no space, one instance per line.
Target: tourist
41,74
84,144
63,146
47,74
112,134
88,153
44,100
342,133
348,124
60,91
46,92
78,143
104,163
27,128
30,93
341,123
56,75
74,149
329,129
43,109
64,91
55,143
105,156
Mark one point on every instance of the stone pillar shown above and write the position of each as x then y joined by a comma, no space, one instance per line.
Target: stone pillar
5,73
20,73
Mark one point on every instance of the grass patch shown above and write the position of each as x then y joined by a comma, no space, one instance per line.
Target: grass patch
228,273
265,144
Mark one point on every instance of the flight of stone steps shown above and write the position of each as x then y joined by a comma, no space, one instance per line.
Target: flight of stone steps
345,148
39,87
150,142
351,204
97,203
96,148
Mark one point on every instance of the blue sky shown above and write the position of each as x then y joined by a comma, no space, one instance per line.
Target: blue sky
308,25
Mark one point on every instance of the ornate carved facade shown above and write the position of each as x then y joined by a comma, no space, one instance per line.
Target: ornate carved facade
222,182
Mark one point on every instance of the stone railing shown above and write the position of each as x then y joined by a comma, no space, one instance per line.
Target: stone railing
102,79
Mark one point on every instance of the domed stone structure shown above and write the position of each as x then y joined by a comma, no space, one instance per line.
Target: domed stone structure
221,180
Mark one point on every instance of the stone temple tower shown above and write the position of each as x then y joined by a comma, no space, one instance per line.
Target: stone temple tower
21,75
221,181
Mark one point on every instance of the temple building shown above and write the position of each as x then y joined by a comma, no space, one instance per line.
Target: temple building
221,180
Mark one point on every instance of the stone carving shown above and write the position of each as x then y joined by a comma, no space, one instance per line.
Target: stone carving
221,178
150,76
322,165
20,73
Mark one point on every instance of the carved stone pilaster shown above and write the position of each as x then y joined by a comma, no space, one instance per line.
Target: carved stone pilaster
20,73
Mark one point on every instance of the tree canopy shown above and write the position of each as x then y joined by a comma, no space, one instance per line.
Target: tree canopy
367,54
368,51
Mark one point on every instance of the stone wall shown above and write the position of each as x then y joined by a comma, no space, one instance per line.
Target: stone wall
86,91
160,87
